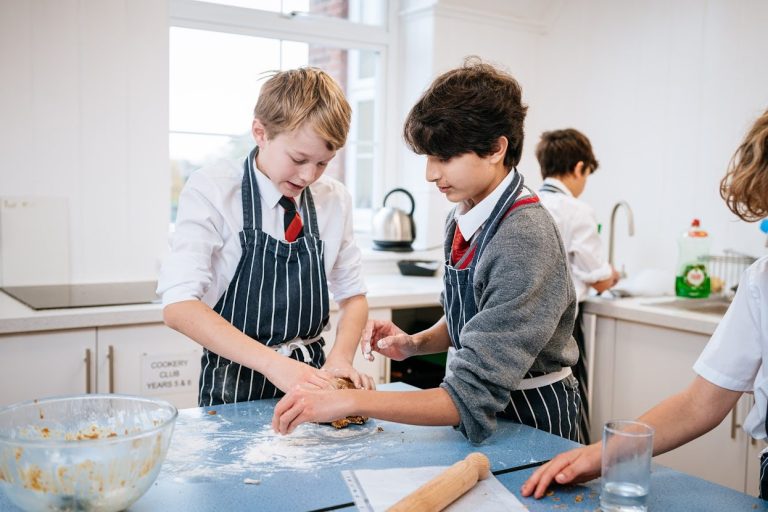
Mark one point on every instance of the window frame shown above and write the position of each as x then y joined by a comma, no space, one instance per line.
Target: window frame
200,15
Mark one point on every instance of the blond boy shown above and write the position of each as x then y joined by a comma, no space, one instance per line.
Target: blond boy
260,244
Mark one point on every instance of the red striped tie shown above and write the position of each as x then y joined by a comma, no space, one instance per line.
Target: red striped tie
459,246
291,220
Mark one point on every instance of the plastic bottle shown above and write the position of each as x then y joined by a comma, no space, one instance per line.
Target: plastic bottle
692,268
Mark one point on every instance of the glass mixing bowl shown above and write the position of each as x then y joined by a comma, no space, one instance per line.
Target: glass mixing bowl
86,452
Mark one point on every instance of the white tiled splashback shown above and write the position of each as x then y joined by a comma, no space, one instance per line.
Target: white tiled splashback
34,240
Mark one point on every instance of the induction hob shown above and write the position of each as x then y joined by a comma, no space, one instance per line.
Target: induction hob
55,296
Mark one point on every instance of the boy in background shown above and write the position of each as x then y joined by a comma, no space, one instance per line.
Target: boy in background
259,245
732,363
566,160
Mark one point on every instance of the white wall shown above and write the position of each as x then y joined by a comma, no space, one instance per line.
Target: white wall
665,91
435,37
84,116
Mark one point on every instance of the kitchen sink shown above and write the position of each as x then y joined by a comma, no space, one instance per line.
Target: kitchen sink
712,306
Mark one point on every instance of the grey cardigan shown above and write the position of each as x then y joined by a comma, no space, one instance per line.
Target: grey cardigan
526,310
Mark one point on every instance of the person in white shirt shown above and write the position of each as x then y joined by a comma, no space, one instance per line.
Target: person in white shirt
732,363
258,246
567,160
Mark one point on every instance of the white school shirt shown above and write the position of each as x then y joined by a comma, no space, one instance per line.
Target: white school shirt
734,356
578,228
205,246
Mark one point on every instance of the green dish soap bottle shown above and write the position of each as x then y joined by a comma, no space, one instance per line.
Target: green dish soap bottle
692,269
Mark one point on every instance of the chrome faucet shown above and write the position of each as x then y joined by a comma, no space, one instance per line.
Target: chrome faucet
631,221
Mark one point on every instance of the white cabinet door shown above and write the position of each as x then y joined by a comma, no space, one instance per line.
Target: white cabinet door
149,360
602,347
379,368
52,363
652,363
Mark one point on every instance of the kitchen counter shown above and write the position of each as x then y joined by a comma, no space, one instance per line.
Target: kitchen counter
388,290
384,291
654,311
211,456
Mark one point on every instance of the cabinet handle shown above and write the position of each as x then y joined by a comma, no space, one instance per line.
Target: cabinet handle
111,359
590,326
734,422
752,440
87,371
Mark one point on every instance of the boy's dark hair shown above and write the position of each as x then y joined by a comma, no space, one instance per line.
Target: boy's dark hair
466,110
559,151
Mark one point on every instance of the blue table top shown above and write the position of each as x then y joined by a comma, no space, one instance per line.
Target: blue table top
212,455
670,491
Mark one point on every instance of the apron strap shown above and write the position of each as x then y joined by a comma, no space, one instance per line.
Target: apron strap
764,467
308,206
477,245
250,193
545,380
288,347
498,214
548,187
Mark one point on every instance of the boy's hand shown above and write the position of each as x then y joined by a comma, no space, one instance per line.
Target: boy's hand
397,347
340,368
575,466
386,338
287,373
615,277
301,405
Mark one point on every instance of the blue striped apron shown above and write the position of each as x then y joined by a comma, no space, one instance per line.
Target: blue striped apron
764,468
552,408
279,293
548,187
580,370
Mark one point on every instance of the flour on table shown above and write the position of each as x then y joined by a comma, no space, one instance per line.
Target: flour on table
204,451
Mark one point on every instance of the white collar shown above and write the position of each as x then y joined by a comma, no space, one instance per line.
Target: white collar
268,191
470,221
558,184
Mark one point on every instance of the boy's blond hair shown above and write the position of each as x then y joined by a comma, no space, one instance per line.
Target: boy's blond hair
290,98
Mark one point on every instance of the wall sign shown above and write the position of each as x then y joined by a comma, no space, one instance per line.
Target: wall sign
163,374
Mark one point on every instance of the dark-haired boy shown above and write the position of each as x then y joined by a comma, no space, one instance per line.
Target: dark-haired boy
567,160
508,300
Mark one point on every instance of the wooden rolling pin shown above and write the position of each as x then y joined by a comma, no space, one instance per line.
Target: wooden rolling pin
446,487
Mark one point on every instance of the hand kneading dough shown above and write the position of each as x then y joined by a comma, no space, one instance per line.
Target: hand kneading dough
344,383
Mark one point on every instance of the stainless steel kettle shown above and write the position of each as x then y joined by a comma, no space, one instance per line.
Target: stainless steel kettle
393,229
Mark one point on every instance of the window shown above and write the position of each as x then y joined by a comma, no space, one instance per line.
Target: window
219,57
368,12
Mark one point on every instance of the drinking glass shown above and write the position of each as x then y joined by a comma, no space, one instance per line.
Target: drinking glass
627,451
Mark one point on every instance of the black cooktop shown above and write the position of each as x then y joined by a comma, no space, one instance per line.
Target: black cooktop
55,296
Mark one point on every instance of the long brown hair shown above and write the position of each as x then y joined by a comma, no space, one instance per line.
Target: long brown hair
745,186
